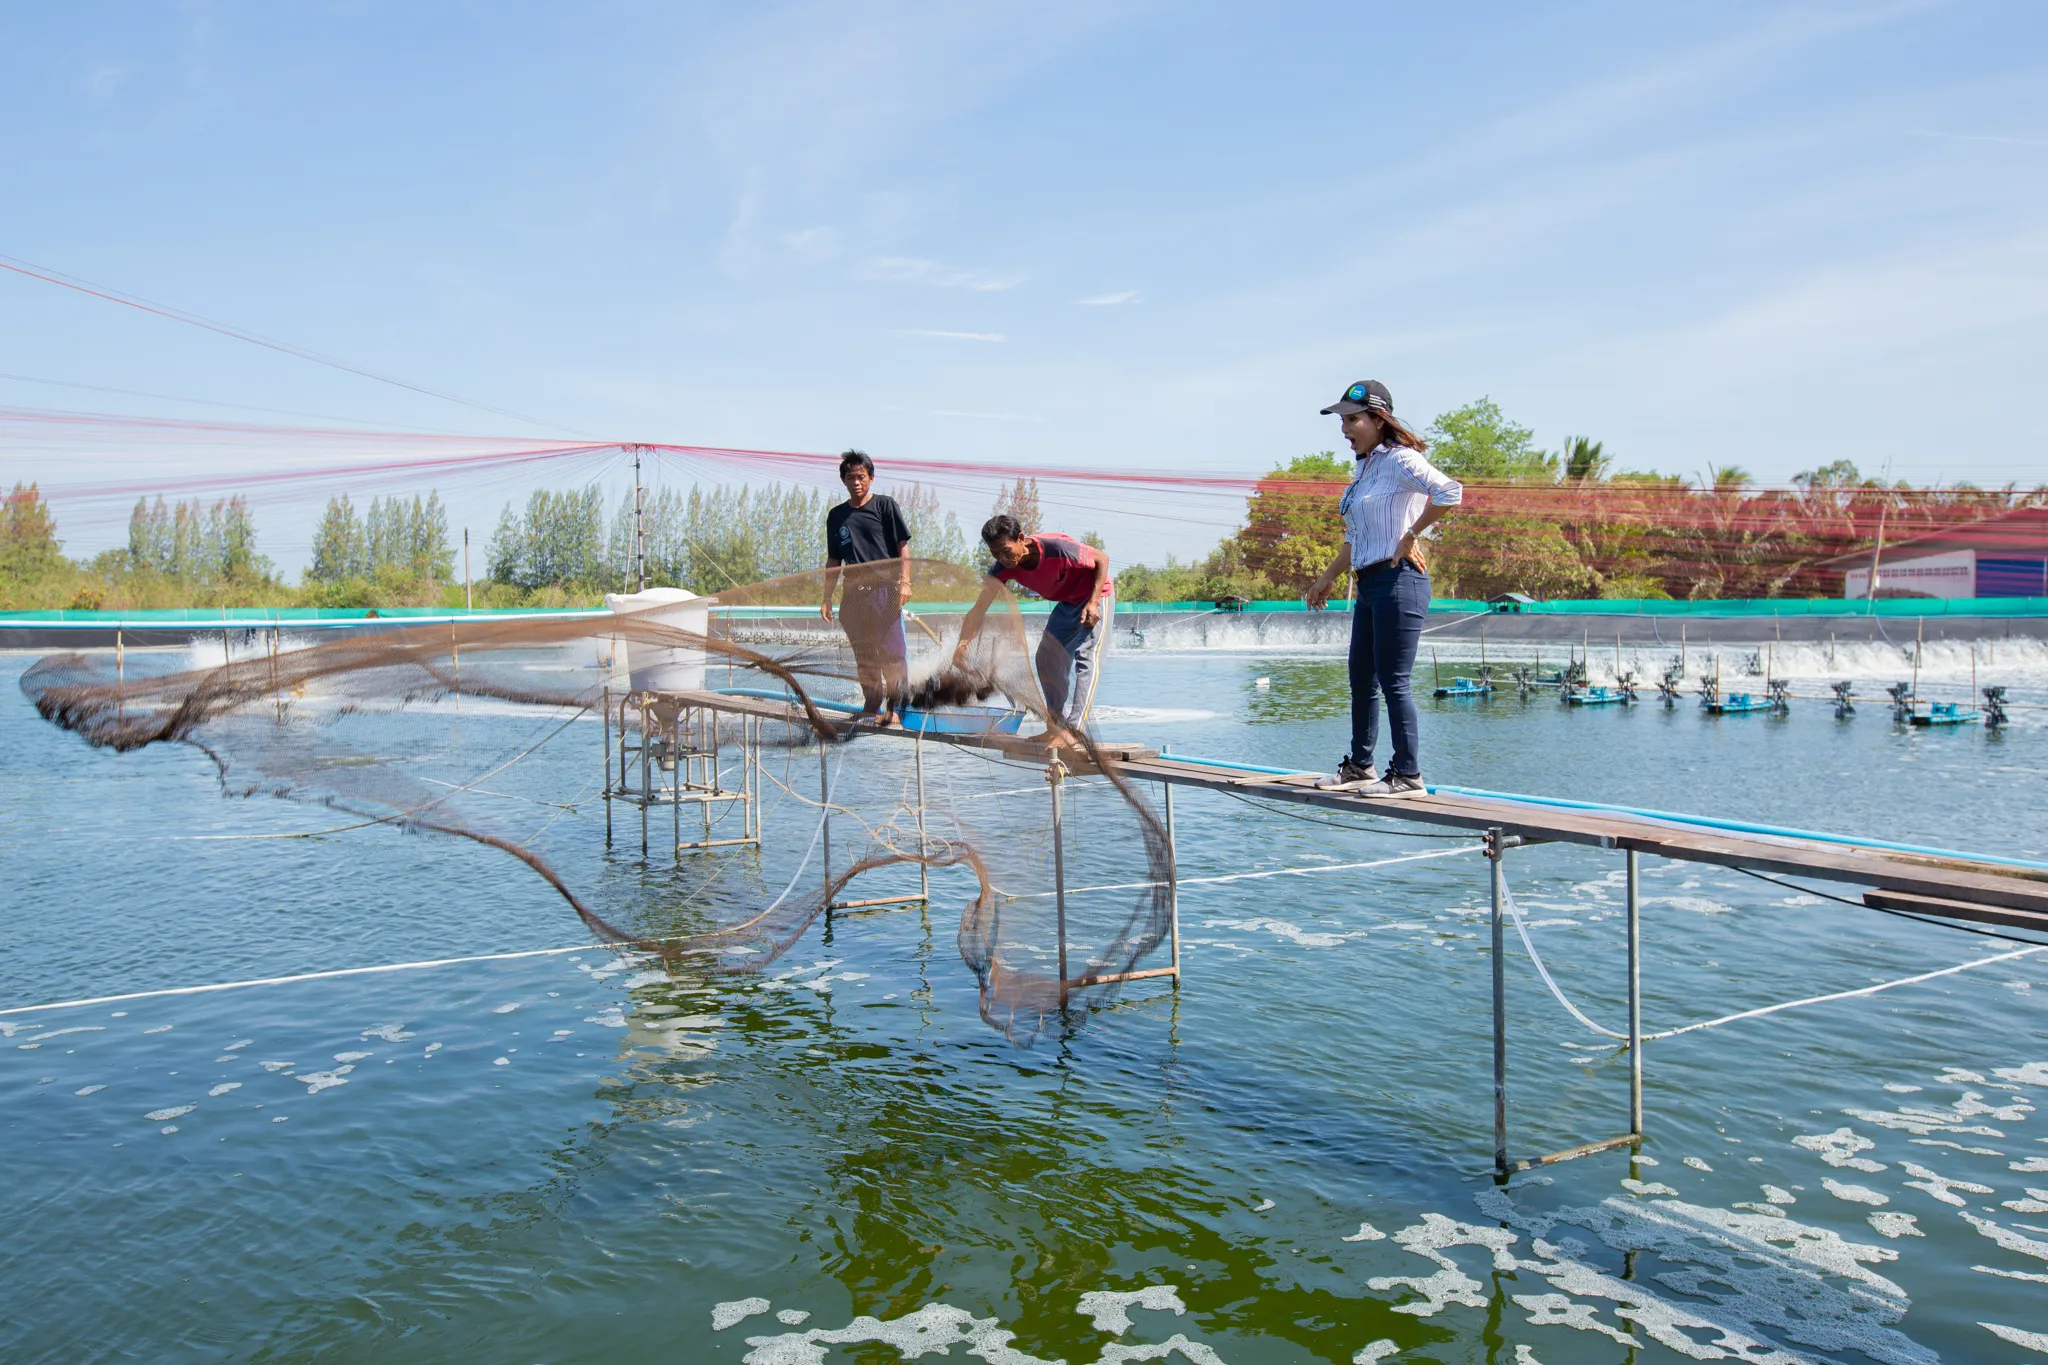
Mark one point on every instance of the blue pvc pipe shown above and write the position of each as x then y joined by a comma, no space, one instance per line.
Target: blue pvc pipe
1237,767
1745,827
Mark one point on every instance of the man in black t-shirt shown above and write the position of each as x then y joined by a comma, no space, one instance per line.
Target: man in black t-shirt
862,535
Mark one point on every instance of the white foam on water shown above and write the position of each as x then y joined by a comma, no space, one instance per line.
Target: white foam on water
1894,1224
1901,1088
390,1033
275,1067
501,1061
1854,1194
1956,1146
507,1009
1697,1164
2033,1341
2033,1073
225,1087
608,1018
89,1090
432,1048
1374,1352
793,1317
1839,1148
353,1056
166,1115
238,1045
2030,1164
2007,1238
2035,1202
1644,1188
1430,1239
724,1315
1941,1187
1755,1271
160,1028
1366,1233
1109,1309
1262,1206
317,1081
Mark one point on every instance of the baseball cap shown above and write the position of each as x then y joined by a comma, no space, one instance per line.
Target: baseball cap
1365,395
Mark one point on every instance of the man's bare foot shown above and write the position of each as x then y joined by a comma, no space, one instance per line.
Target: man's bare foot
1056,739
886,719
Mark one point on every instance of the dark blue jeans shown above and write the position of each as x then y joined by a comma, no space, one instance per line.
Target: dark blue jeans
1386,628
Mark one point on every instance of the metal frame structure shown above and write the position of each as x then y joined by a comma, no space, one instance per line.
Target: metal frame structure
1497,843
677,762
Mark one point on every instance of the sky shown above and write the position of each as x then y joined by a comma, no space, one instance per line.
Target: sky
1126,235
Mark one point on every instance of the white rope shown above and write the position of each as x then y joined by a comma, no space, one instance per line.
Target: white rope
303,976
1844,995
1544,972
1529,944
1255,876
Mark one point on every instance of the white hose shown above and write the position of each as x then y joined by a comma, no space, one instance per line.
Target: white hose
1529,944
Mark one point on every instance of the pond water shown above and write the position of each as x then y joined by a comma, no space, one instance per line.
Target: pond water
576,1157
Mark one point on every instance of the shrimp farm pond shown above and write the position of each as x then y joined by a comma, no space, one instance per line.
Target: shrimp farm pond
524,1142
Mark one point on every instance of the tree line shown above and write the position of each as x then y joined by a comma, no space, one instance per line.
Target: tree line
561,547
1568,523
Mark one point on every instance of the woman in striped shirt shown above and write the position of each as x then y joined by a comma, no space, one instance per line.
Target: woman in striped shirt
1394,496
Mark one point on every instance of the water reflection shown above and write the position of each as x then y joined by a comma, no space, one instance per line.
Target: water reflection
1296,690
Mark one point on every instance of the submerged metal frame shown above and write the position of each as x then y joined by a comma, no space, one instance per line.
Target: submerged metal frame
1497,843
694,754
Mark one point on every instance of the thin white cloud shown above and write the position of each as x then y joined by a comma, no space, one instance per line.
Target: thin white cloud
816,244
918,270
1980,137
1111,300
944,335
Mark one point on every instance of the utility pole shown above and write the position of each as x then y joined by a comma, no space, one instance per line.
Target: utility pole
468,594
639,526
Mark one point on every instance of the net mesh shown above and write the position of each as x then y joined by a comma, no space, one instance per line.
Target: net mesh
510,734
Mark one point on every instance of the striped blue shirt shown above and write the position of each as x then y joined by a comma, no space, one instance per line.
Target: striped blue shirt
1392,486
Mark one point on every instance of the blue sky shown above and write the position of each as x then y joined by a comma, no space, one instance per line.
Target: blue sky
1121,234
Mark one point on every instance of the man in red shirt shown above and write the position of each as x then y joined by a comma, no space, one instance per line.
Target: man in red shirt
1074,577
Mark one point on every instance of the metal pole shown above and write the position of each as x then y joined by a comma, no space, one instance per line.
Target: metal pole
1635,996
825,801
1172,876
1495,852
639,525
675,780
607,728
1053,773
924,871
120,677
468,594
646,783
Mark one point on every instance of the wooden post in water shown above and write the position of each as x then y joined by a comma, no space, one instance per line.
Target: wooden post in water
607,727
1681,649
120,677
825,803
1635,997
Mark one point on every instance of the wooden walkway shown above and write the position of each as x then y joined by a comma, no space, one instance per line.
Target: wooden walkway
1958,888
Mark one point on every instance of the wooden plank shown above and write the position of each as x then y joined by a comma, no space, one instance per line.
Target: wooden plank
1956,884
1944,908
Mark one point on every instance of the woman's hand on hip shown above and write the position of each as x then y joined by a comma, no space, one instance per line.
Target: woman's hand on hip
1411,551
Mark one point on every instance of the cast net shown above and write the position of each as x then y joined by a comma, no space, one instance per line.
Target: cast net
726,727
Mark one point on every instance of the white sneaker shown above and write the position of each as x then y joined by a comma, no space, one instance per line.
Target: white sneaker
1396,786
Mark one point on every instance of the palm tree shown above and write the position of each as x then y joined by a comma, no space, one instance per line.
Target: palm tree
1585,460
